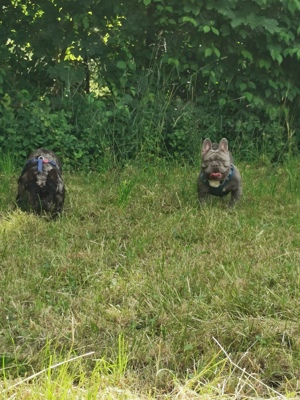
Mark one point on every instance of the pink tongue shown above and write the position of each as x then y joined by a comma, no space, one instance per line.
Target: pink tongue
215,175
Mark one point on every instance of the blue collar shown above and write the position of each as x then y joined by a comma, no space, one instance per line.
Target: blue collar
220,190
40,161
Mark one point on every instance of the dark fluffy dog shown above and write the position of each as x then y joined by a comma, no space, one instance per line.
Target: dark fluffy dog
41,186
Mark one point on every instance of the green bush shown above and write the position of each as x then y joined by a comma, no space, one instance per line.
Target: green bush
150,79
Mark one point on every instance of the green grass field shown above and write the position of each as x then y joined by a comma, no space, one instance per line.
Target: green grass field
137,292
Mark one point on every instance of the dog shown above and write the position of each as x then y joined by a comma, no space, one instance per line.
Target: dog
40,186
219,176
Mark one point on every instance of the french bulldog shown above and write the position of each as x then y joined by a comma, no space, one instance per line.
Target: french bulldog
218,175
41,186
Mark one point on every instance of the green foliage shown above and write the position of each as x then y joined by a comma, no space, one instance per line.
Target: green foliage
115,80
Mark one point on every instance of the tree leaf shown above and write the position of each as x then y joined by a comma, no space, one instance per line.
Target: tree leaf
249,96
85,22
242,86
216,51
215,31
248,55
121,64
208,52
275,53
189,19
173,61
264,64
271,25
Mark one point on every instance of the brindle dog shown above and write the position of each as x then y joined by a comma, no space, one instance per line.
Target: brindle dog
41,186
218,176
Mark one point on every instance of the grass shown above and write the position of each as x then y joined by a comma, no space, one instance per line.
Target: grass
139,293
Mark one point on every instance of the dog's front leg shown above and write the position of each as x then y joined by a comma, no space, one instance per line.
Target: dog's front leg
235,196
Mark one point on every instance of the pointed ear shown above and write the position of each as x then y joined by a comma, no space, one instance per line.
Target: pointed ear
223,145
206,146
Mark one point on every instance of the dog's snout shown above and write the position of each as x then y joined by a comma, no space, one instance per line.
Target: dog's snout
215,165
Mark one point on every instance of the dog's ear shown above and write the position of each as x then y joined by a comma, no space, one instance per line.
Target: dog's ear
21,186
25,178
206,146
223,145
52,176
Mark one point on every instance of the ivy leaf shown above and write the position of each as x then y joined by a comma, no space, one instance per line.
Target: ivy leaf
147,2
206,29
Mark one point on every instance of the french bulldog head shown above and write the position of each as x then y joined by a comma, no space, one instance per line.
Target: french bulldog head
216,160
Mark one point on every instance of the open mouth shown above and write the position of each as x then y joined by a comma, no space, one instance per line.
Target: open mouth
217,176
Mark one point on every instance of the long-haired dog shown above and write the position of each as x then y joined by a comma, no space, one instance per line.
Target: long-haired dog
41,186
